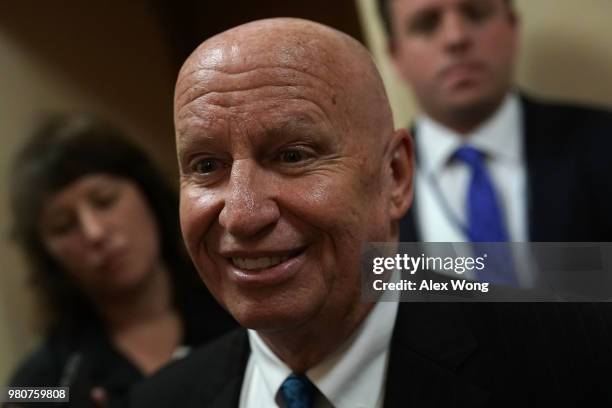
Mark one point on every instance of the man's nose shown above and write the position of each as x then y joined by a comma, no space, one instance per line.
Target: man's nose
455,32
249,206
93,226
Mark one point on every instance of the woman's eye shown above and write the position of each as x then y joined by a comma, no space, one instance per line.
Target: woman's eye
61,227
105,200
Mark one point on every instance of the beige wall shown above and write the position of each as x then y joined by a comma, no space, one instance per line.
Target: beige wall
566,52
96,56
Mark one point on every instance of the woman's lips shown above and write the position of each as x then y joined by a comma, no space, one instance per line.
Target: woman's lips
112,261
265,270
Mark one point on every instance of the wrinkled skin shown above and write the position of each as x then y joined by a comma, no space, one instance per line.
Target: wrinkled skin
287,154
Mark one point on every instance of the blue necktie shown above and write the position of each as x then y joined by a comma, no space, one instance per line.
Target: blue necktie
298,392
485,222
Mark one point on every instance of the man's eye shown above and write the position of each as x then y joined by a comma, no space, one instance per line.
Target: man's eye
205,166
293,156
425,24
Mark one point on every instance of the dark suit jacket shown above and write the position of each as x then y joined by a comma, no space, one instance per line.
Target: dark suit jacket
569,174
442,355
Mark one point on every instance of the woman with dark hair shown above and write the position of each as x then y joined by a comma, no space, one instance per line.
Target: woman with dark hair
99,228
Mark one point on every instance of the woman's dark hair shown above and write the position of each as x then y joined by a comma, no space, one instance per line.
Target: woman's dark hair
61,150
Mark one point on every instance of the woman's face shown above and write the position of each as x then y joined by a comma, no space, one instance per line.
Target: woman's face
101,230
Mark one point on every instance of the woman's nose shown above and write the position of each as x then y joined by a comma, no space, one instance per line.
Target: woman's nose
92,224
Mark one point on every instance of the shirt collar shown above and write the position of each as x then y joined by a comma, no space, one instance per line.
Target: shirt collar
353,376
272,369
499,137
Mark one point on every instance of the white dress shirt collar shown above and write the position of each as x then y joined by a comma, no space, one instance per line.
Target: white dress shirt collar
499,137
353,376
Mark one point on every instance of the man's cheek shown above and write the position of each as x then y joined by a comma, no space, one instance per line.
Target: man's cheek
209,270
319,203
195,219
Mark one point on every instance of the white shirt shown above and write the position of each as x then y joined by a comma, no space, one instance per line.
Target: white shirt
501,139
352,377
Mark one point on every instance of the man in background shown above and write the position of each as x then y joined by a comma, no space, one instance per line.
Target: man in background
493,165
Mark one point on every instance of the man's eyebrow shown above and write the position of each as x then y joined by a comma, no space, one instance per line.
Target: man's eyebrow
423,12
298,122
299,125
187,139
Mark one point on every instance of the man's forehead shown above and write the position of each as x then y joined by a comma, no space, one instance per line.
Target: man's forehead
236,74
290,43
232,52
235,61
211,127
277,78
214,99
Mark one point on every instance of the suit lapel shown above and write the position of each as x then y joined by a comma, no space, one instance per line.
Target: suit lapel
428,346
550,173
222,374
408,228
229,395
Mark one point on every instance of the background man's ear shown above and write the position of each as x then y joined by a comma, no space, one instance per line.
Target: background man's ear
402,171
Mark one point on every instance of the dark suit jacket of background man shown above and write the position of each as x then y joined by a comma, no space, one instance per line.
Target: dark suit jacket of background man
442,355
569,174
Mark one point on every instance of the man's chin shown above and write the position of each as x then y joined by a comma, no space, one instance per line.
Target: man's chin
471,105
271,320
269,323
467,97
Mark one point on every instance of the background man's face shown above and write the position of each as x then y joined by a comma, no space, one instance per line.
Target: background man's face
457,54
278,194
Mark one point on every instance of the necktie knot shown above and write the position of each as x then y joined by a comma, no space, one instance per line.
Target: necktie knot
297,392
469,155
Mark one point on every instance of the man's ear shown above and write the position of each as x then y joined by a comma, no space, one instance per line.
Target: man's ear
402,173
513,16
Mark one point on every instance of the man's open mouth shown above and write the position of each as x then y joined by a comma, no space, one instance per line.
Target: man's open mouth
255,262
251,264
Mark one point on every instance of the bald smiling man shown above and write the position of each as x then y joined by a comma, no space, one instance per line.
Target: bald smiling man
289,165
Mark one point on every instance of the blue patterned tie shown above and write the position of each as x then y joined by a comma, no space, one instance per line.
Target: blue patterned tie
485,222
298,392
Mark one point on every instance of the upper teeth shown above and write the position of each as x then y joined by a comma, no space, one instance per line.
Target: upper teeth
259,263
